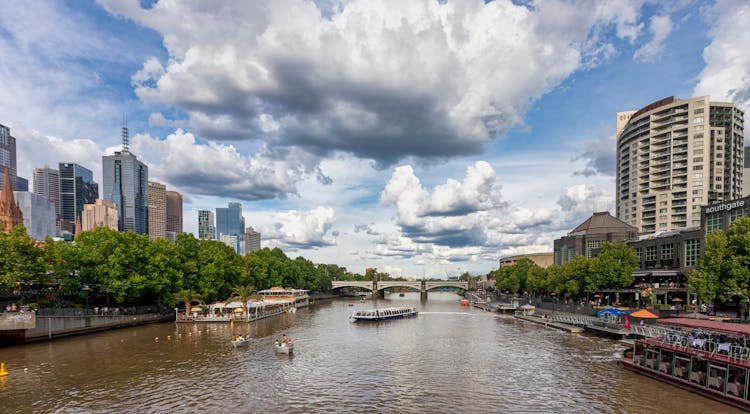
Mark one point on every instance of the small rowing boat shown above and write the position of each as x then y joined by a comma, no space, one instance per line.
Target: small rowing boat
240,341
283,348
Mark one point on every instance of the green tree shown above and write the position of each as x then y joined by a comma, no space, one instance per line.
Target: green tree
613,267
242,293
187,297
20,258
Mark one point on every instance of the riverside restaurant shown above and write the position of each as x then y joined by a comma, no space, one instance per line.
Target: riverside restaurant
272,302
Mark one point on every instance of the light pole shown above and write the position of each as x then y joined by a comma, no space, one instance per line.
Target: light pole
86,290
554,301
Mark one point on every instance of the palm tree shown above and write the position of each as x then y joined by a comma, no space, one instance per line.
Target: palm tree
187,296
242,293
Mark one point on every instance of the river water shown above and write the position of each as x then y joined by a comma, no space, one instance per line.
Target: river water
448,359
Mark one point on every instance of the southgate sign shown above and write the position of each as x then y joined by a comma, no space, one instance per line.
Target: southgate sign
725,206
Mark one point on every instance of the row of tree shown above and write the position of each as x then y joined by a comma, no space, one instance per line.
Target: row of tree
127,269
610,269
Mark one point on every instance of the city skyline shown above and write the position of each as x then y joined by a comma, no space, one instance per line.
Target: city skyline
492,134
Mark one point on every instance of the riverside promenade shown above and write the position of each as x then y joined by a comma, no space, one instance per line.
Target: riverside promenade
47,324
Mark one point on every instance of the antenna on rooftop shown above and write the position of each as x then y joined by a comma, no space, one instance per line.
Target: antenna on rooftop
125,133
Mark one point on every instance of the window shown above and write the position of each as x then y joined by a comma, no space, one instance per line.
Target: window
698,120
719,148
667,250
698,111
698,152
697,167
698,128
697,199
698,143
698,135
698,159
663,203
713,222
591,246
650,253
697,183
692,251
698,175
662,210
697,192
736,213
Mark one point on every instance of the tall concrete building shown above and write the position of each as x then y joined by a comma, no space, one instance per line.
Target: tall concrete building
77,187
746,173
47,184
126,184
229,222
252,240
174,214
674,156
157,210
100,214
206,227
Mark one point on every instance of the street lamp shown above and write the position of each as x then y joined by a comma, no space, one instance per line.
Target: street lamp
86,290
554,301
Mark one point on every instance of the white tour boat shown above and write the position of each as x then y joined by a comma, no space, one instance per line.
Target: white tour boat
383,314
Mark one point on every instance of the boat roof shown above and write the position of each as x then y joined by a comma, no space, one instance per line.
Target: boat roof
394,308
727,327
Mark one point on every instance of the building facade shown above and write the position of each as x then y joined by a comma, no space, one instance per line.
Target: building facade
174,213
10,214
588,238
77,187
206,227
230,222
38,214
100,214
746,173
47,184
543,260
674,156
252,240
8,159
157,210
126,184
719,216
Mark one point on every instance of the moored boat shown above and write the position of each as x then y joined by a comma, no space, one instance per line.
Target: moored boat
383,314
707,357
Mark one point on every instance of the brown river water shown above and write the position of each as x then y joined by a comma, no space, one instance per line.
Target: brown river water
446,360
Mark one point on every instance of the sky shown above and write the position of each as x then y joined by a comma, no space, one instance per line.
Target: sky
421,138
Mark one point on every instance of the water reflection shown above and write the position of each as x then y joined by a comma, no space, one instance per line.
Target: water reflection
447,359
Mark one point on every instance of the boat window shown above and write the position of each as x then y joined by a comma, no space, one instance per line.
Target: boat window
665,362
640,355
717,374
652,355
681,366
736,381
698,371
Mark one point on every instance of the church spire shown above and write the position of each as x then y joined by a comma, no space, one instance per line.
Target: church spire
10,214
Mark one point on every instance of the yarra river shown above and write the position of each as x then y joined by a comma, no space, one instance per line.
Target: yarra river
446,360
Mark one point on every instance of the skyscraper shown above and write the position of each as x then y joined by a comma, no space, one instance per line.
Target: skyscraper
157,210
229,222
8,159
674,156
206,228
77,187
174,213
252,240
126,185
47,184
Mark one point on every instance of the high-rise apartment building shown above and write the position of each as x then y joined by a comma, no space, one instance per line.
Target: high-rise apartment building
174,212
38,214
126,184
206,228
157,210
252,240
100,214
229,222
77,187
674,156
746,173
47,184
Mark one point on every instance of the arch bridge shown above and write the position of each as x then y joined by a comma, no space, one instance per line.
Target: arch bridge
423,286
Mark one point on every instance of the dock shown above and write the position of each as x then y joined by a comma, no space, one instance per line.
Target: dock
550,323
